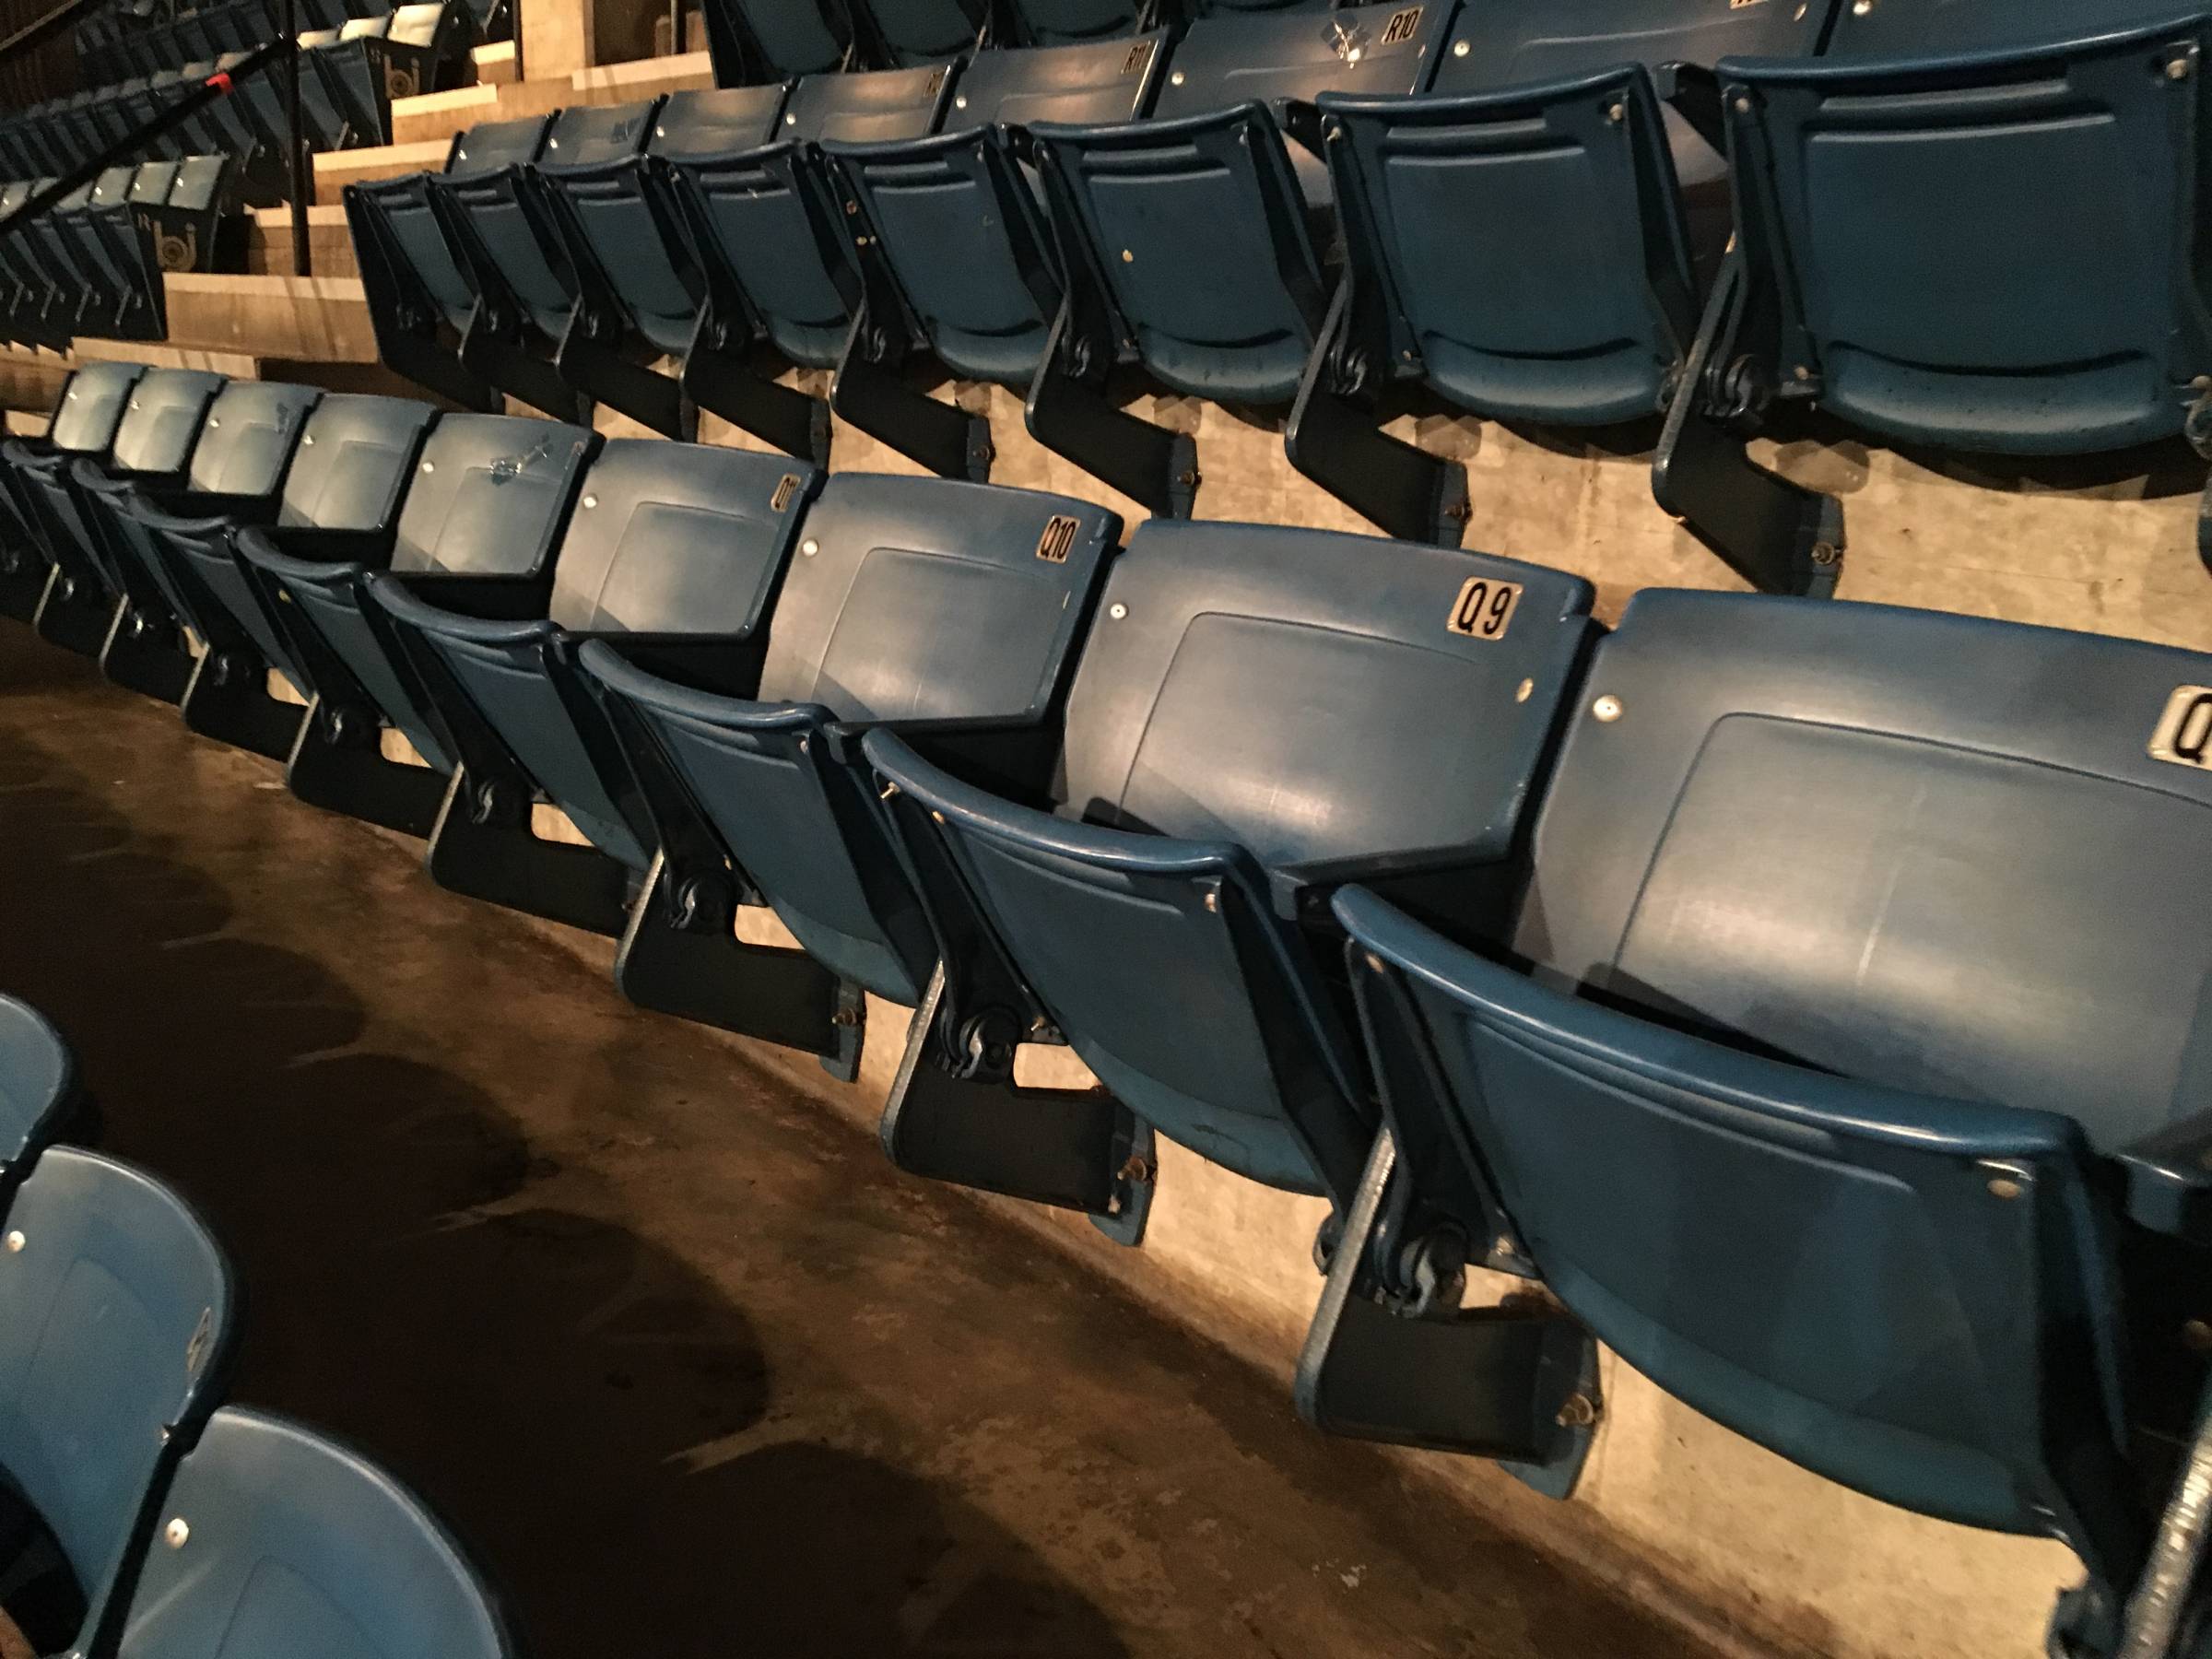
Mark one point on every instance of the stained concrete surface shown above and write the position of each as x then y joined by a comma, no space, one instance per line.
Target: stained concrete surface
688,1365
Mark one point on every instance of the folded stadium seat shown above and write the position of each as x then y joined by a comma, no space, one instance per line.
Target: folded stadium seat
115,255
102,602
1066,22
1846,1068
782,268
668,543
1858,287
192,208
38,1089
756,41
416,48
115,1342
92,406
515,258
225,128
914,604
414,262
1578,303
28,292
1187,235
342,483
487,499
274,1543
906,34
1145,885
236,469
639,290
956,219
75,293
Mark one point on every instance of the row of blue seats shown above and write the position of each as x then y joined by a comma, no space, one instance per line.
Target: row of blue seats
141,1517
756,41
127,46
1813,998
349,76
1507,209
92,265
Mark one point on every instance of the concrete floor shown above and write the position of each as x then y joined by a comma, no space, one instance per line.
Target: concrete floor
688,1365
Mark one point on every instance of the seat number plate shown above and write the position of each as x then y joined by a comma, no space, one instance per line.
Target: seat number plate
1485,607
1402,24
1058,540
2184,733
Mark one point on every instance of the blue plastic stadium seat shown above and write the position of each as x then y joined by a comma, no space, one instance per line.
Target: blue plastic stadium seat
105,603
115,1334
669,540
958,215
621,211
1066,22
1948,238
346,476
92,404
38,1085
1579,302
486,500
1193,227
505,225
905,33
912,602
416,261
782,268
752,41
275,1542
237,475
1847,1069
1246,727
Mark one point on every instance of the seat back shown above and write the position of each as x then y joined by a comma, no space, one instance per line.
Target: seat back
1579,301
1065,22
491,495
162,418
926,598
923,31
765,217
775,40
37,1076
252,431
116,1303
279,1542
354,460
985,299
2017,852
667,538
93,406
1195,220
910,599
725,121
1503,43
2024,327
1210,1021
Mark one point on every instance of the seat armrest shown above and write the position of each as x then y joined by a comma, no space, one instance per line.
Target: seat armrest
1695,92
2169,1179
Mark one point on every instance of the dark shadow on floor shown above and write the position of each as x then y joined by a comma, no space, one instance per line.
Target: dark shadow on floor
560,1387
